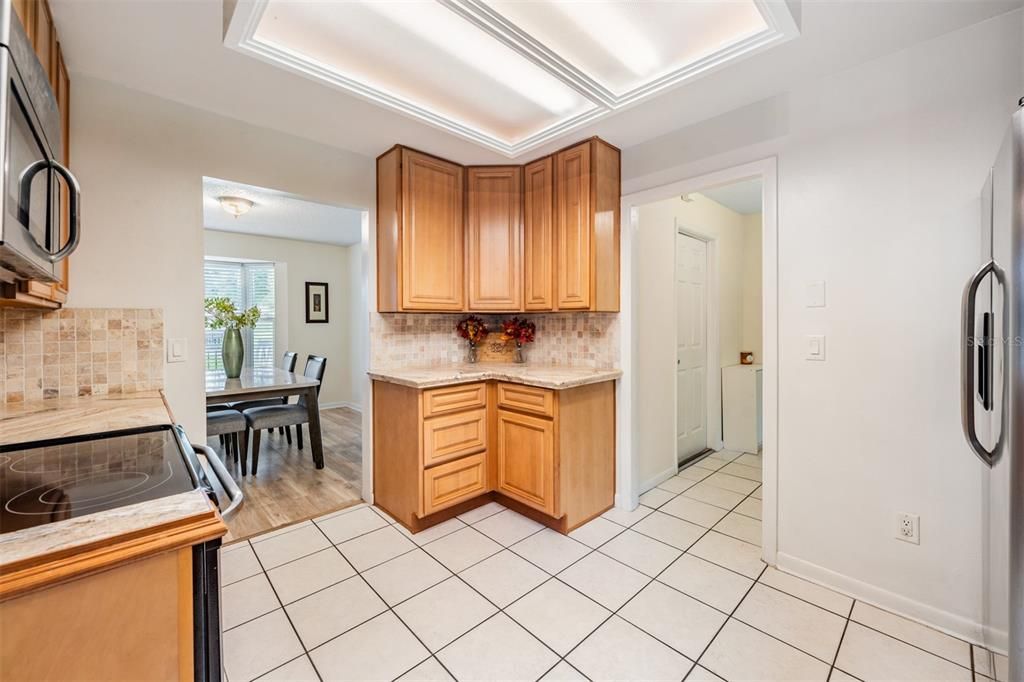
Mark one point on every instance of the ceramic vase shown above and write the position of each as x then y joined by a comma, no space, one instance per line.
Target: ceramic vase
232,353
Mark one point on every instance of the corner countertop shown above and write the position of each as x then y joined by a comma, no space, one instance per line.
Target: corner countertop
41,556
558,378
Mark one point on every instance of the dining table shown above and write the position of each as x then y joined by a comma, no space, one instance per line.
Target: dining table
264,383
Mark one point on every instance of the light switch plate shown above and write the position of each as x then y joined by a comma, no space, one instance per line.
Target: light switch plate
816,294
177,350
815,347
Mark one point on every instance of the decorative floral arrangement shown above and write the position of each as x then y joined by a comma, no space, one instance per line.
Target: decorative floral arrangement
221,313
473,329
517,329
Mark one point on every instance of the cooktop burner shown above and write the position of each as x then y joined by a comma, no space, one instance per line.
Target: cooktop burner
60,479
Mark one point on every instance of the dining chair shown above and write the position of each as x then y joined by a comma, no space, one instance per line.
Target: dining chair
228,424
288,365
275,416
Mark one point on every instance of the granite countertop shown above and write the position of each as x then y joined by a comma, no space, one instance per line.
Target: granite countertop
28,555
60,417
532,375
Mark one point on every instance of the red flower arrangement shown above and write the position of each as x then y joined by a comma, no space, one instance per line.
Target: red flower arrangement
519,330
473,329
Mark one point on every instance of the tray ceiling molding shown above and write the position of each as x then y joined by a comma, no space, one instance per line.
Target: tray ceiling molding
241,28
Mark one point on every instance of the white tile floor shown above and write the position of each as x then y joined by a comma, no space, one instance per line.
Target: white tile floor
673,590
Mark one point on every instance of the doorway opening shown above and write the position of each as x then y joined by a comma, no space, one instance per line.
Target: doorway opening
700,353
300,264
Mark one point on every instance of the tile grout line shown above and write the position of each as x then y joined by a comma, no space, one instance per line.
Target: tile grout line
388,608
841,638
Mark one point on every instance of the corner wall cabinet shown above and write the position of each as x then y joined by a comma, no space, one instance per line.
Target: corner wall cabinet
539,237
441,451
37,20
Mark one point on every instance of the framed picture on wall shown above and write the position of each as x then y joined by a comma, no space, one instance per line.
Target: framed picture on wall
316,303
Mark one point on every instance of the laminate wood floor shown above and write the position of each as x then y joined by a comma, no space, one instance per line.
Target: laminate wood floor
288,488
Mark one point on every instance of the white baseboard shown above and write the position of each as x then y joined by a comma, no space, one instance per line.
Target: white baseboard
951,623
342,403
658,478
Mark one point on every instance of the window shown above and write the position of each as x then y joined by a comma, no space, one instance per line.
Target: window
246,284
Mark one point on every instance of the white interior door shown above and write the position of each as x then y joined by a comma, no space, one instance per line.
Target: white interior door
691,345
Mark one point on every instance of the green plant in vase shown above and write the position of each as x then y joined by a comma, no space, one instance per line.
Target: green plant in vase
221,313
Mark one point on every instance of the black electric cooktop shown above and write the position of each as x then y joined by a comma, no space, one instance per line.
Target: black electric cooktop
52,480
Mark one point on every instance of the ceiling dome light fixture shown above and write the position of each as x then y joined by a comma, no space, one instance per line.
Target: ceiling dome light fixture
236,206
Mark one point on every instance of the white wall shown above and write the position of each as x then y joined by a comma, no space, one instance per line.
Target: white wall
879,172
141,161
300,262
738,303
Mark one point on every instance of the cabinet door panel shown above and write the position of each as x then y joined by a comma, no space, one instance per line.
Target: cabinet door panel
494,238
538,235
431,233
448,484
573,217
526,460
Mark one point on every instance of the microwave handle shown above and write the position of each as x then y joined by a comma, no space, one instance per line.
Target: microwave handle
74,199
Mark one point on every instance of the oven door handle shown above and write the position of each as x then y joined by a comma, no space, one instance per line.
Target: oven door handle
224,478
74,202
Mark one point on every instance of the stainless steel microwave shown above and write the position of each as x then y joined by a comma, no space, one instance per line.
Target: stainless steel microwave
32,179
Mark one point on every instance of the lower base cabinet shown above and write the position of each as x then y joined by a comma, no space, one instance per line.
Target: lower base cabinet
439,452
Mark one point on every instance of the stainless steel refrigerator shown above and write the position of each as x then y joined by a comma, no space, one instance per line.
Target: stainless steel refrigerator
993,395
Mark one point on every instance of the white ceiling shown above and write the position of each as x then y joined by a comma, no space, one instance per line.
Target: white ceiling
509,75
743,197
277,214
175,49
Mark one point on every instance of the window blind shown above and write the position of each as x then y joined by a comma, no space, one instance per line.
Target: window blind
246,285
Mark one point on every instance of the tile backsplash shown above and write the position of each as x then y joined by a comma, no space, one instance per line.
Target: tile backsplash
79,351
563,339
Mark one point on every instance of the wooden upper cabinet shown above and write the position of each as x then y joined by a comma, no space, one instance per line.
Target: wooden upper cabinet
494,238
419,233
544,236
573,227
587,196
538,235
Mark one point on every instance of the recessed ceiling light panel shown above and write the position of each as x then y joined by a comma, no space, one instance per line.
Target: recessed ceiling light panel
507,74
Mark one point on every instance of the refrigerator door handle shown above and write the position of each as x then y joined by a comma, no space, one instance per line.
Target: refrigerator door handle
969,342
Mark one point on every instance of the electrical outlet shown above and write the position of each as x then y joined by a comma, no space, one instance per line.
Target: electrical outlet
908,528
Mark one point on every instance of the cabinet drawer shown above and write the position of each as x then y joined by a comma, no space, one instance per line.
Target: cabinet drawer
453,482
454,435
527,399
454,398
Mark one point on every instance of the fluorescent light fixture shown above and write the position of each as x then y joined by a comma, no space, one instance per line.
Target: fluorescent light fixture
235,206
507,74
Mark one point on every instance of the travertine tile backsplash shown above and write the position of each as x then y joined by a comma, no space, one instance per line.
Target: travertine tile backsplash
563,339
79,351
